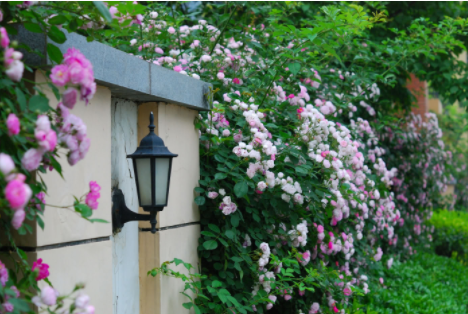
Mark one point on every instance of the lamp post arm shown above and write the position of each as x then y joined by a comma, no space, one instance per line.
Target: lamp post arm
121,214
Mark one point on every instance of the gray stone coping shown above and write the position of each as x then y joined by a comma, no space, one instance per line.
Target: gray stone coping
125,75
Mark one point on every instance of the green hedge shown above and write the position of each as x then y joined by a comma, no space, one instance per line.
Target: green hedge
451,234
427,283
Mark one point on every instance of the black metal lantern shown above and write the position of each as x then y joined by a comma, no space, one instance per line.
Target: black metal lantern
152,163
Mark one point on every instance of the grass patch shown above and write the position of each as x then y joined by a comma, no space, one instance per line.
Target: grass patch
425,284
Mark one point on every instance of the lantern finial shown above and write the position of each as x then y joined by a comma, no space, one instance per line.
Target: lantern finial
151,126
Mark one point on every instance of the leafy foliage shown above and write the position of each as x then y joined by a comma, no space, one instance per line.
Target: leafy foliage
451,234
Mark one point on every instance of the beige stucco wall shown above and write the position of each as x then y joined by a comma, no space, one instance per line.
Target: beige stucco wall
179,243
176,128
90,264
63,225
175,125
78,251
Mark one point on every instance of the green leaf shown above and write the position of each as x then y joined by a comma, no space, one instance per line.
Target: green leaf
103,10
73,25
210,244
199,189
235,220
38,102
220,176
241,188
197,309
200,200
54,53
20,305
84,210
57,35
208,234
98,220
187,305
223,294
33,27
21,98
40,222
230,234
57,20
215,228
294,67
216,284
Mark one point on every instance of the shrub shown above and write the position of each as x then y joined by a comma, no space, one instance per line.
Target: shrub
451,234
296,161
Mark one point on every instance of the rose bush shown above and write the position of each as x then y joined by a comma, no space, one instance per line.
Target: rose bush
35,137
314,184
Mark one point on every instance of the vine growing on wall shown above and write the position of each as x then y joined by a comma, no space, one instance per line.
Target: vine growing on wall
37,136
308,185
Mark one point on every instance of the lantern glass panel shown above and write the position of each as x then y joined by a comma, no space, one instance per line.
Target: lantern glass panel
162,178
143,166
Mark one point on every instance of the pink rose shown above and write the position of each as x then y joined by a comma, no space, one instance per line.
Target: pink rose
87,91
15,70
4,40
31,159
93,195
177,68
212,195
6,164
13,124
43,269
51,140
18,218
60,75
49,295
236,81
41,197
159,50
77,73
347,291
171,30
220,75
82,301
69,97
8,307
113,11
17,193
43,123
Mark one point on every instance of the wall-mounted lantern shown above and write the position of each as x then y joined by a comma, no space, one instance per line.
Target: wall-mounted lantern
152,163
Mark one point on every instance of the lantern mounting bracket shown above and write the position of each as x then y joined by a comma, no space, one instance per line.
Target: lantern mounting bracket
121,214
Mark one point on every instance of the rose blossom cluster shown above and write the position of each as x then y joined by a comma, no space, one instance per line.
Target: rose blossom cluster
46,139
17,193
72,134
75,72
42,268
347,156
11,59
93,195
227,207
7,307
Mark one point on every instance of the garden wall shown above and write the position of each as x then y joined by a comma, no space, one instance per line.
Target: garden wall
114,266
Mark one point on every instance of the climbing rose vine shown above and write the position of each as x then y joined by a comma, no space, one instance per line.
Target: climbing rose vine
302,188
36,136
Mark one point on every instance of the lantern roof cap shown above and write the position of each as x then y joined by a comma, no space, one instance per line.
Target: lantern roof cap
151,145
